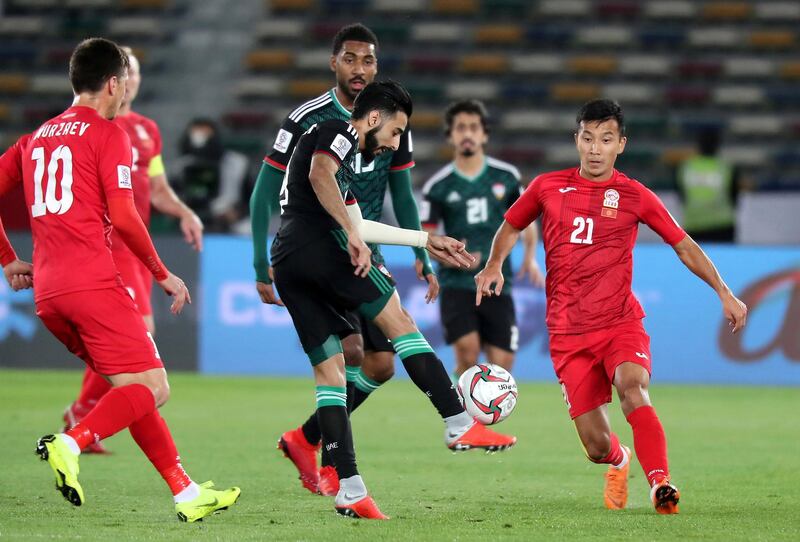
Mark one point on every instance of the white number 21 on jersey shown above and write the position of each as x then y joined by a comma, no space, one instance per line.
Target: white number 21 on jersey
45,200
581,224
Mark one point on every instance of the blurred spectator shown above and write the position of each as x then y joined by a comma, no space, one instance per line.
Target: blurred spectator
708,187
211,177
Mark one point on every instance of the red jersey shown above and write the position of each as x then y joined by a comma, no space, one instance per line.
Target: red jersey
589,229
145,145
71,166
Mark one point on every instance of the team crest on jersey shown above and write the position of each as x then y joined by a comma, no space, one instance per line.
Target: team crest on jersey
453,197
499,190
610,203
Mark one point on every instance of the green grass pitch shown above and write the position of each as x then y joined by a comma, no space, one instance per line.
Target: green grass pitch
734,454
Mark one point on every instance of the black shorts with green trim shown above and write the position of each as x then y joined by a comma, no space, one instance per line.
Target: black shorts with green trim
494,320
318,286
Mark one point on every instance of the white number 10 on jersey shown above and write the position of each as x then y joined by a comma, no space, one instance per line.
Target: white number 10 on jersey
45,200
582,224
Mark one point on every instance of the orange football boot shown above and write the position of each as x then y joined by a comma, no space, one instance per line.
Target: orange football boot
299,451
480,436
328,481
616,491
363,509
665,497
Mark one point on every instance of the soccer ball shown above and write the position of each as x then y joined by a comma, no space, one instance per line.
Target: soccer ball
489,393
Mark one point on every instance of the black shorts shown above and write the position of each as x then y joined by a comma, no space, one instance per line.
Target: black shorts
494,320
374,339
317,285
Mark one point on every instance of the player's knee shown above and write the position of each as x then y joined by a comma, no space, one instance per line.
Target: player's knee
383,373
598,447
633,394
353,354
407,319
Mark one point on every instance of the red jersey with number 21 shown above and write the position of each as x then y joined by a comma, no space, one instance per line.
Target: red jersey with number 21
71,166
589,230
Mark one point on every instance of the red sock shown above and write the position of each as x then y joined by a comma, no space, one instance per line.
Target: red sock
615,455
93,388
115,411
153,437
650,443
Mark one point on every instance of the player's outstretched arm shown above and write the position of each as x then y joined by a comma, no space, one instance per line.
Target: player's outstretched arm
166,201
322,176
504,240
126,220
445,249
701,265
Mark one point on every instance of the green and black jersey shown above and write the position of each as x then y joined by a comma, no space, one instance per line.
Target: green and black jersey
369,179
472,210
303,218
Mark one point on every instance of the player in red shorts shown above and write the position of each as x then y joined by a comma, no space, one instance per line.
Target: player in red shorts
75,170
149,186
590,218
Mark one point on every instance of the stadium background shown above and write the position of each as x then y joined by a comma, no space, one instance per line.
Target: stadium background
677,67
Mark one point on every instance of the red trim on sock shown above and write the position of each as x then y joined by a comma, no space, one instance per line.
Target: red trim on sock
176,478
650,443
82,435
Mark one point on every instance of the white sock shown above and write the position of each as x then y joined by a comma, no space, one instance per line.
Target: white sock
625,459
190,492
351,490
71,444
457,425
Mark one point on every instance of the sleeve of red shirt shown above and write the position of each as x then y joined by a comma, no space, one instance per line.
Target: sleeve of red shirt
526,208
114,169
658,218
11,165
10,175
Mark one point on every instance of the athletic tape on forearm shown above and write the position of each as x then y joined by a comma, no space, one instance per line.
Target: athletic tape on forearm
383,234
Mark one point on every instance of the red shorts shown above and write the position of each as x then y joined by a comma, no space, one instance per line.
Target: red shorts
136,278
103,328
585,364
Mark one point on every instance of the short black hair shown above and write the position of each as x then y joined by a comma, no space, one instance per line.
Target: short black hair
353,32
474,107
94,61
388,97
601,110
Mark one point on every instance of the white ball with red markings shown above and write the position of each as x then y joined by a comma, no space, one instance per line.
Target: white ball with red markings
489,393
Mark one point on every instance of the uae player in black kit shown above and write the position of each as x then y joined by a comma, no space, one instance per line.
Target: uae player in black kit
323,268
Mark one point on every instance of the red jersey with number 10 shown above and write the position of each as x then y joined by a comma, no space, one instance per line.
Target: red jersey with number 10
589,230
71,166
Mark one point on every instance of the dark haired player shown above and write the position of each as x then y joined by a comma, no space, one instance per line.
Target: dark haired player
470,195
368,354
590,218
319,242
76,172
150,186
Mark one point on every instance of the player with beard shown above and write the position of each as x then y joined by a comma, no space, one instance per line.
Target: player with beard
369,355
470,196
321,239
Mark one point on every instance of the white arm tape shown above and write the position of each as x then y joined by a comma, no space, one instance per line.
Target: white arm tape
383,234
